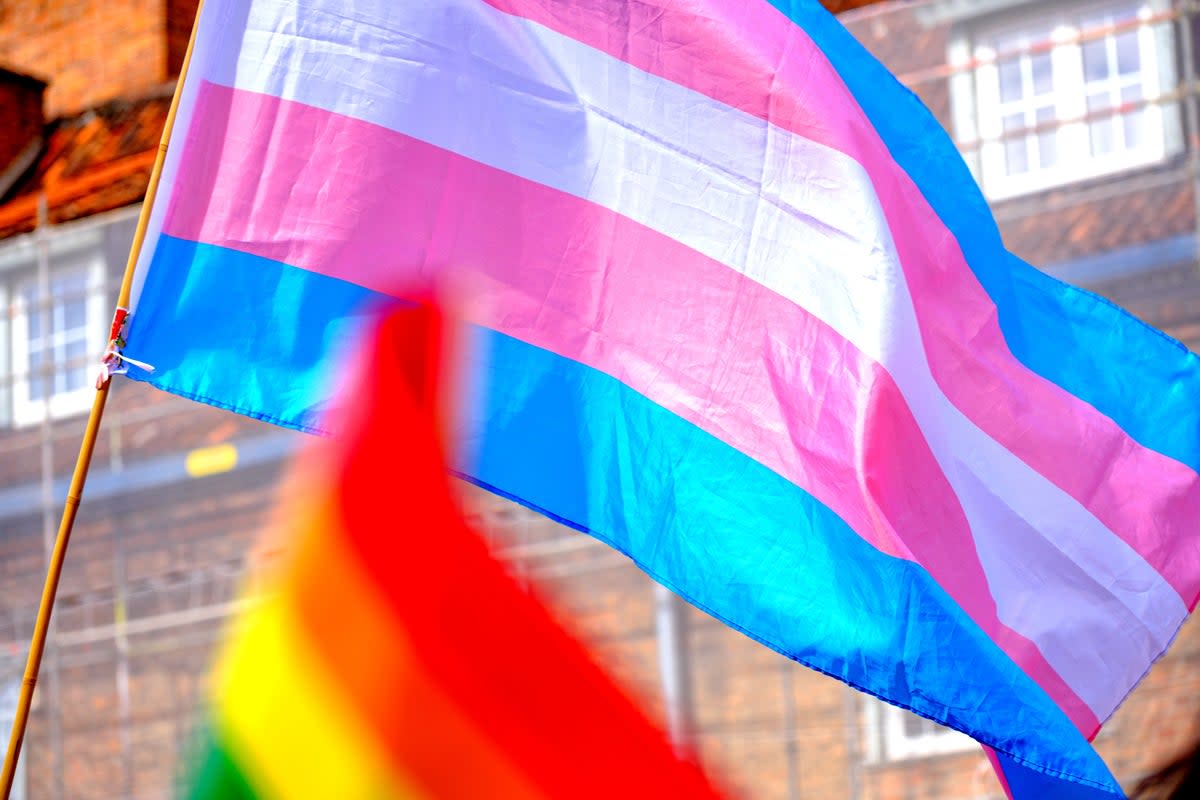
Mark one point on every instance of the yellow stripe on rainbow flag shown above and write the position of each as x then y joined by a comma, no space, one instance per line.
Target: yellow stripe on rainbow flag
272,681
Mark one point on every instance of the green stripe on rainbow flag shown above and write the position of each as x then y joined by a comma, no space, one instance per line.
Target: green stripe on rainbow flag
392,657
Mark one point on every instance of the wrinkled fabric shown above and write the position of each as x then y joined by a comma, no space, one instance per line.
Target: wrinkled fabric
746,318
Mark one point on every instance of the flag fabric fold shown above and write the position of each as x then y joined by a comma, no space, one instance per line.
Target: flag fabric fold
741,313
390,656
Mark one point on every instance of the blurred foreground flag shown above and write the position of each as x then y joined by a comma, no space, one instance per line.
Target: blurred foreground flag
392,657
744,315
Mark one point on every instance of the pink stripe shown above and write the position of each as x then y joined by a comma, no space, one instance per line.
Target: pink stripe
774,71
626,306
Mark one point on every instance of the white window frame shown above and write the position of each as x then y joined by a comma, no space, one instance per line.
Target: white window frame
976,95
27,411
887,740
10,692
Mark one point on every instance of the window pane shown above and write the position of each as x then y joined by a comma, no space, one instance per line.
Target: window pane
1134,126
1008,42
1047,140
1133,122
915,726
1102,136
57,335
74,314
69,372
69,286
1016,156
73,379
1010,81
1047,149
1043,74
1095,61
34,314
72,369
35,325
1128,58
1099,102
75,351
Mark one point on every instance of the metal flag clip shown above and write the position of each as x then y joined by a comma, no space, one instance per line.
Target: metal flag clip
114,361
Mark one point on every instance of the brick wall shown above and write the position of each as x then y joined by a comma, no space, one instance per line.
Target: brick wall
1170,299
769,728
1046,228
1062,223
117,48
175,554
1070,223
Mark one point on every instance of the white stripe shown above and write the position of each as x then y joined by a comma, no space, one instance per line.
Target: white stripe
798,217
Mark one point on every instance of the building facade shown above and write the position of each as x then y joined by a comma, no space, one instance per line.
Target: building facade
1078,117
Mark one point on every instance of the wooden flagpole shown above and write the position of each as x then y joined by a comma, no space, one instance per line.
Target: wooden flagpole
37,645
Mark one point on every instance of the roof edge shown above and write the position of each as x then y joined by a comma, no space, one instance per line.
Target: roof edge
23,77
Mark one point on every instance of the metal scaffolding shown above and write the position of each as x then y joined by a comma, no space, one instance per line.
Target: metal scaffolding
135,611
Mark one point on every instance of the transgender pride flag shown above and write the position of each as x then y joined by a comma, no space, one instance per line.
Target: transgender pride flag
741,313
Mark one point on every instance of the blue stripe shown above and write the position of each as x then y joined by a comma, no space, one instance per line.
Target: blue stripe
1024,782
1142,379
731,536
222,327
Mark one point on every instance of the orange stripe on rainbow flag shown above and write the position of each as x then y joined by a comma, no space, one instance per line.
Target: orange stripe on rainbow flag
394,657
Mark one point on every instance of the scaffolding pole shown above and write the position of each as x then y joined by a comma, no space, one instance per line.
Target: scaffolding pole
83,462
670,625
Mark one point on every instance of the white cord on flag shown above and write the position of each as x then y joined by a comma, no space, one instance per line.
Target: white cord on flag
114,361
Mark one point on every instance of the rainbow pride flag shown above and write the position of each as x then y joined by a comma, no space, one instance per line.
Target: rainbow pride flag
741,312
392,657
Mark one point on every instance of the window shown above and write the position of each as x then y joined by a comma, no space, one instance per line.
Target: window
894,734
9,694
56,327
1054,96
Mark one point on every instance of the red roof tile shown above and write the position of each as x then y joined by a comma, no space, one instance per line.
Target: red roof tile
94,162
101,160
